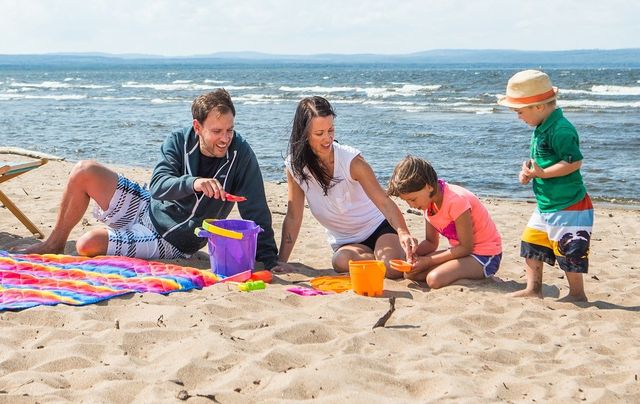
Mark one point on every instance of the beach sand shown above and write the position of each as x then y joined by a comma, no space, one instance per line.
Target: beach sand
468,342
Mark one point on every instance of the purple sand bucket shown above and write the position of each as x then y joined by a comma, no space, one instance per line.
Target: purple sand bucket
232,244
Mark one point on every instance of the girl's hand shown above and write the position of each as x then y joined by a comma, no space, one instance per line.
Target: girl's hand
523,178
421,264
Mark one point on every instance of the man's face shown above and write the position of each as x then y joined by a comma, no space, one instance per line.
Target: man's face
216,133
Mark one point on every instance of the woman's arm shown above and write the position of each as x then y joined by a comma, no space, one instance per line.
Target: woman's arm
293,219
361,171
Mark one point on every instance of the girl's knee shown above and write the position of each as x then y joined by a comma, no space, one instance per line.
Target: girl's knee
434,280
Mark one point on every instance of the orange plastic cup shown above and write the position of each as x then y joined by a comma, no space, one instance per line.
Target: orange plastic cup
367,277
400,265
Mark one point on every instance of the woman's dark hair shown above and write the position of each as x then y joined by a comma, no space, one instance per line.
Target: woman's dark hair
299,150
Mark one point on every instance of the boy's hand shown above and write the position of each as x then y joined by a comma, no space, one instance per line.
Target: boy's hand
523,176
532,170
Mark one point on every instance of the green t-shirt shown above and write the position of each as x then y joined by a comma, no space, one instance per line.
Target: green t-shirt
555,140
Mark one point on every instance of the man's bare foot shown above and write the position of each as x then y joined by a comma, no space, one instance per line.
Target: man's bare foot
574,298
526,293
41,248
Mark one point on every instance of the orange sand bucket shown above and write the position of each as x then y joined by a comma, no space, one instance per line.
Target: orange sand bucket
367,277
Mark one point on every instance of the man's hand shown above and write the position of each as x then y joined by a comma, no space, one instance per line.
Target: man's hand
211,187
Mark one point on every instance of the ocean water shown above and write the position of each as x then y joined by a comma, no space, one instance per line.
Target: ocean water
120,114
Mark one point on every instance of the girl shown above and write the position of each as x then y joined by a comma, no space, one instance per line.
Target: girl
457,214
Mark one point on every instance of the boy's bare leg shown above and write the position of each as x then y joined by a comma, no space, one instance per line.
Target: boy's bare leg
534,280
576,288
88,180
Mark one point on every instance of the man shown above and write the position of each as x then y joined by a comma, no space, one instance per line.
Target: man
199,165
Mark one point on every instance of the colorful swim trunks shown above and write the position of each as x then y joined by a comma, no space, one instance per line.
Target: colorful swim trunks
564,236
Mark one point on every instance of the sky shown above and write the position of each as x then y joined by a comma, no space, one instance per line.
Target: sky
199,27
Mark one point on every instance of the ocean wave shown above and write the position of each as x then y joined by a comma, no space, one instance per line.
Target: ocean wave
604,90
165,100
317,89
405,90
56,85
168,87
57,97
181,86
598,104
615,90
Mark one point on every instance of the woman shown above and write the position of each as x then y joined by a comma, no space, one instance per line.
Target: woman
343,194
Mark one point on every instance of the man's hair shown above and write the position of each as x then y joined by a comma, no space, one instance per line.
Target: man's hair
219,101
411,175
299,150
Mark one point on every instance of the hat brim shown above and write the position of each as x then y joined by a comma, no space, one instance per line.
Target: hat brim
505,102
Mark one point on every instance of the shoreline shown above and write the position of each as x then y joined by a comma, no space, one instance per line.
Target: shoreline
273,345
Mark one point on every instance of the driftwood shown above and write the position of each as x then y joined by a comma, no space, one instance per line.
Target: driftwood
29,153
383,320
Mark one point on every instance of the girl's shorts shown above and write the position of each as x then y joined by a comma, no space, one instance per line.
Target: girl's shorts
490,263
562,236
131,232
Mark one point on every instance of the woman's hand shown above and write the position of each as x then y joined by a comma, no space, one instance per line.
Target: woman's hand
409,245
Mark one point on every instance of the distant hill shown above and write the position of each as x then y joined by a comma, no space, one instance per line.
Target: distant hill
488,57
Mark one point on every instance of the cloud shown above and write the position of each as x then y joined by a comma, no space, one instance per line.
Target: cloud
189,27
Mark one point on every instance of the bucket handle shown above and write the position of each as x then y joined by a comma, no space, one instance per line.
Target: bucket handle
208,226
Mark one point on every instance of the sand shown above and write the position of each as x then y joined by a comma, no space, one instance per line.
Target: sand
468,342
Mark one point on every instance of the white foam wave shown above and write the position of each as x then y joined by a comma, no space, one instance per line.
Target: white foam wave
571,91
169,87
164,100
317,89
599,104
182,81
56,85
404,90
111,98
209,81
605,90
57,97
616,90
44,84
180,86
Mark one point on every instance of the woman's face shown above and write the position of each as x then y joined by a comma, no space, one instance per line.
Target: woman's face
321,134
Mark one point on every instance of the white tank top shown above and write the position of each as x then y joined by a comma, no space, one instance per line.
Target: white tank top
346,212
